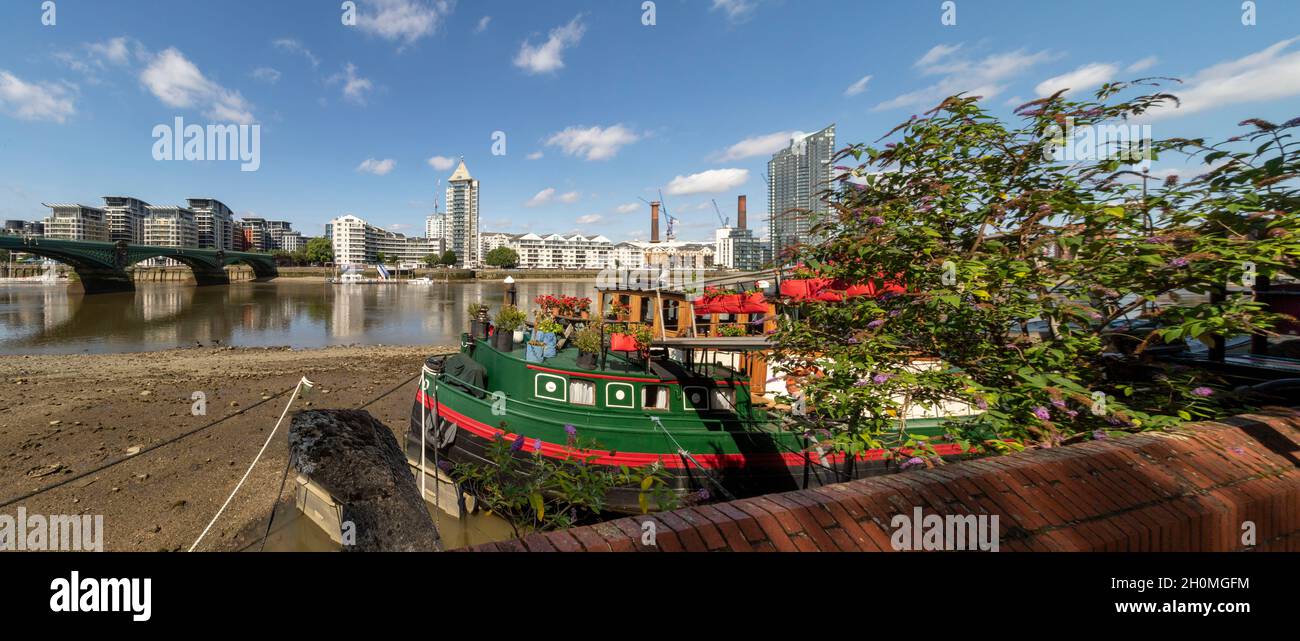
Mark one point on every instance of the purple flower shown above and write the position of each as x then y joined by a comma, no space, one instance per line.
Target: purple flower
570,430
911,462
1179,262
875,323
981,403
703,494
518,444
537,446
895,313
1058,403
853,340
881,378
1203,391
876,220
1042,413
861,382
1098,435
1072,413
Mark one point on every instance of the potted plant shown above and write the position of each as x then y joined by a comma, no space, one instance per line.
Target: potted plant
547,331
534,351
478,321
509,321
588,342
617,311
732,330
621,339
644,337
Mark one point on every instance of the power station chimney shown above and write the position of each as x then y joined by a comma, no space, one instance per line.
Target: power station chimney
654,222
741,210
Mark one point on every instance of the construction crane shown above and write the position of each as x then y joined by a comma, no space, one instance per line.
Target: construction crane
663,208
726,222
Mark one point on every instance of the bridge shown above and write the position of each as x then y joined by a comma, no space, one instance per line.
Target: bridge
101,266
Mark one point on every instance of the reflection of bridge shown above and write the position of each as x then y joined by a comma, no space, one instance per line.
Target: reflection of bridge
101,267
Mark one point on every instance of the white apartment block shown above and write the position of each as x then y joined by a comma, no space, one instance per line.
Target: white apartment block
215,223
124,217
435,226
553,251
357,242
75,222
167,226
462,217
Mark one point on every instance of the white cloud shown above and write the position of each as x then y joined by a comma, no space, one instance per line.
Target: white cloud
589,219
376,167
1143,64
935,55
402,20
735,10
1269,74
536,155
987,76
858,87
1085,77
113,50
441,163
267,75
35,101
629,208
570,197
548,56
708,182
763,145
177,82
541,198
482,24
594,143
293,46
355,88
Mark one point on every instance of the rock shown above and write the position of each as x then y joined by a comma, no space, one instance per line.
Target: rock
357,460
55,422
133,450
146,393
44,470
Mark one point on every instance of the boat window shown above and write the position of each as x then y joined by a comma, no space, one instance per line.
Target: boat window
654,397
647,310
670,314
724,399
620,395
582,392
697,398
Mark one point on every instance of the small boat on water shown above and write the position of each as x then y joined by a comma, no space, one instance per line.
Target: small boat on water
667,404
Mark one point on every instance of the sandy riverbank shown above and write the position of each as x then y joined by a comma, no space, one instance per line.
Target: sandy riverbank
62,415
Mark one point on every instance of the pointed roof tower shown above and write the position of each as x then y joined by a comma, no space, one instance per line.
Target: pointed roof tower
461,173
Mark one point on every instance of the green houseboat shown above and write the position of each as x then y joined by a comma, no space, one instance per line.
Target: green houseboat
665,405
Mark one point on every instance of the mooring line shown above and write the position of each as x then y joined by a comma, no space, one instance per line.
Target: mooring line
265,445
139,454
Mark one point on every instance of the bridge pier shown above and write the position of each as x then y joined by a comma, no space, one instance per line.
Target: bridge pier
207,277
93,280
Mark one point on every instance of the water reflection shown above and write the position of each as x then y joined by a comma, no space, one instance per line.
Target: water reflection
47,319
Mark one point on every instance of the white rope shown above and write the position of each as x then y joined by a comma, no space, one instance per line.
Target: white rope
270,436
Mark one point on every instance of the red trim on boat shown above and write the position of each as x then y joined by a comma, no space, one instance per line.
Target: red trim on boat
671,461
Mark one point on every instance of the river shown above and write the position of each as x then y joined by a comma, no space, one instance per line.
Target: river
301,313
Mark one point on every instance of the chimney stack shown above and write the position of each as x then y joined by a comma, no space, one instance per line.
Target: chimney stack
741,211
654,222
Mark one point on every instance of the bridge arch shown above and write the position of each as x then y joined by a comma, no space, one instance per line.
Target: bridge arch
101,266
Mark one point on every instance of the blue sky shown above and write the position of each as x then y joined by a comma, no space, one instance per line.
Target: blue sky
598,109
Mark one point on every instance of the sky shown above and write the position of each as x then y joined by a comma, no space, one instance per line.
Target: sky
599,110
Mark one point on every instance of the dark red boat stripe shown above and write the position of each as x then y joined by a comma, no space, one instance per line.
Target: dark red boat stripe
671,461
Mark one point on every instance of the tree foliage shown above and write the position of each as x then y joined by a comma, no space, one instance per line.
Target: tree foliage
320,250
503,257
1021,272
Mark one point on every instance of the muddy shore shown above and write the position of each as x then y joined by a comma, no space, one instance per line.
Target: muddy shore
63,415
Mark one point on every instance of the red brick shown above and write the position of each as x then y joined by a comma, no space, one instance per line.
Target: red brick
690,539
775,533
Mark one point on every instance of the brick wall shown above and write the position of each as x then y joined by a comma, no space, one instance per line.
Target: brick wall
1185,491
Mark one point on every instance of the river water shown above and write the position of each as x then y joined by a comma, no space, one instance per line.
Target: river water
45,318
